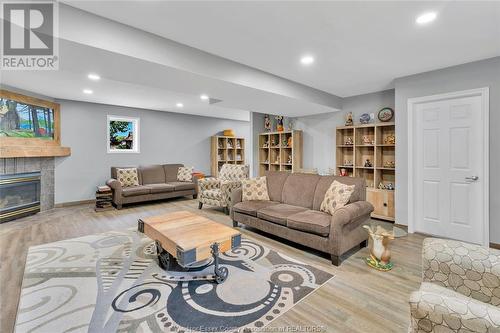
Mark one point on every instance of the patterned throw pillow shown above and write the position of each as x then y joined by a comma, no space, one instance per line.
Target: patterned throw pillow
337,196
185,174
254,189
127,177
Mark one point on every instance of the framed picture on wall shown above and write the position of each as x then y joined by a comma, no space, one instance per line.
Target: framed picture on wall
123,134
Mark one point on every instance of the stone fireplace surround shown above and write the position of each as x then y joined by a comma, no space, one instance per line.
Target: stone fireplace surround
31,164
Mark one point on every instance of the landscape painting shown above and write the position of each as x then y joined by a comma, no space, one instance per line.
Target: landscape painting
123,134
21,120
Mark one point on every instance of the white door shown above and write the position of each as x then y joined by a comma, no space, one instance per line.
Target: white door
448,166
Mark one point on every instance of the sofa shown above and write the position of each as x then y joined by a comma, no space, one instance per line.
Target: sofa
217,191
293,212
460,291
155,182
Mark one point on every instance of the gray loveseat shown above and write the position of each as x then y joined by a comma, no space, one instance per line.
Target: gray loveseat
155,182
293,212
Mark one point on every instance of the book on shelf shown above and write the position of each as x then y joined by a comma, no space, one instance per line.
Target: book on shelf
103,189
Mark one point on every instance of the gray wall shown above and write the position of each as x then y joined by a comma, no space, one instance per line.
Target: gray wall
319,130
485,73
164,138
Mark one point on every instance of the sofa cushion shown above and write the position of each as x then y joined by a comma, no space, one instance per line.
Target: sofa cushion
127,177
324,183
182,186
275,181
336,197
114,172
254,189
310,221
152,174
278,213
161,188
171,171
251,207
135,190
185,174
299,188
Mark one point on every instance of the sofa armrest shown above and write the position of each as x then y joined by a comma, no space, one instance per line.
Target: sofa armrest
116,187
469,269
351,212
236,196
209,183
431,308
227,186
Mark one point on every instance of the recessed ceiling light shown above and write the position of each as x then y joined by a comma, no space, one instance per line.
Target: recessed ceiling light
307,60
94,77
179,105
204,97
87,91
426,18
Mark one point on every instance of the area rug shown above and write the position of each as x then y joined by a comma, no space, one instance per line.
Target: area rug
111,282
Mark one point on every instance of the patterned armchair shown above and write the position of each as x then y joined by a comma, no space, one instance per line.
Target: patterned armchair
460,291
217,191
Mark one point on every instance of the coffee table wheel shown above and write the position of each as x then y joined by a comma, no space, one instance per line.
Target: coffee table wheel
221,274
164,258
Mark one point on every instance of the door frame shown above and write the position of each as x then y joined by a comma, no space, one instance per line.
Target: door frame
412,103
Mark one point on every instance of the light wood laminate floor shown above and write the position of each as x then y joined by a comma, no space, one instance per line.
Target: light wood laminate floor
357,299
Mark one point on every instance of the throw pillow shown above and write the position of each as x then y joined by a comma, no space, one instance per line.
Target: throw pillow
127,177
336,196
254,189
185,174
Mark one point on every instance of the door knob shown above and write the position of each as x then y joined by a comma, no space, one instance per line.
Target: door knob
472,178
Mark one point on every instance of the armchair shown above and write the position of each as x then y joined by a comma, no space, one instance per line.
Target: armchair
217,191
460,291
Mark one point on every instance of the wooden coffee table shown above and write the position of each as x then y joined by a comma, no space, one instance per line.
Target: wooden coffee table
186,238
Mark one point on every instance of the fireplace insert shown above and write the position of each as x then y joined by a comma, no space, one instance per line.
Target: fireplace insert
19,195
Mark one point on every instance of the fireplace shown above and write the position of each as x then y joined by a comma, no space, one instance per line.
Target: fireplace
19,195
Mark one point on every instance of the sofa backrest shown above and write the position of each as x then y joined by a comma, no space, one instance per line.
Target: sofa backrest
275,181
152,174
299,189
307,190
324,183
113,172
171,171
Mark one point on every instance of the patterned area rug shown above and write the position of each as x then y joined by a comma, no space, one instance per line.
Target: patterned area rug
111,282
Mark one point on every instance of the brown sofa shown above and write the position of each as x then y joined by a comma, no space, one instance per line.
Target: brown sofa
293,212
155,182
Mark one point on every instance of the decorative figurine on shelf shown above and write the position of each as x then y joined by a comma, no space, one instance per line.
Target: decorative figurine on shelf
381,186
285,143
273,142
267,123
348,163
364,118
390,139
289,159
366,140
238,157
368,163
343,172
348,119
389,187
348,141
289,141
390,164
277,161
291,124
266,144
378,244
279,124
238,144
230,144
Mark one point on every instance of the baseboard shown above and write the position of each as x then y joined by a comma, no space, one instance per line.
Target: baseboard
495,246
74,203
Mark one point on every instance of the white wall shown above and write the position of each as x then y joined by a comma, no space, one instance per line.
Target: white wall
485,73
319,130
164,138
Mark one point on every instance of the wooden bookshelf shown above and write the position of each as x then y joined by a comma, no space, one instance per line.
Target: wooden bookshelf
277,153
357,144
226,149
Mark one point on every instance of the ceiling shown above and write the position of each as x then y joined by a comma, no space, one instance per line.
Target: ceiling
359,46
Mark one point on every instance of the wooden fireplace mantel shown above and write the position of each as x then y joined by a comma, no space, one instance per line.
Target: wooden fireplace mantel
9,151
